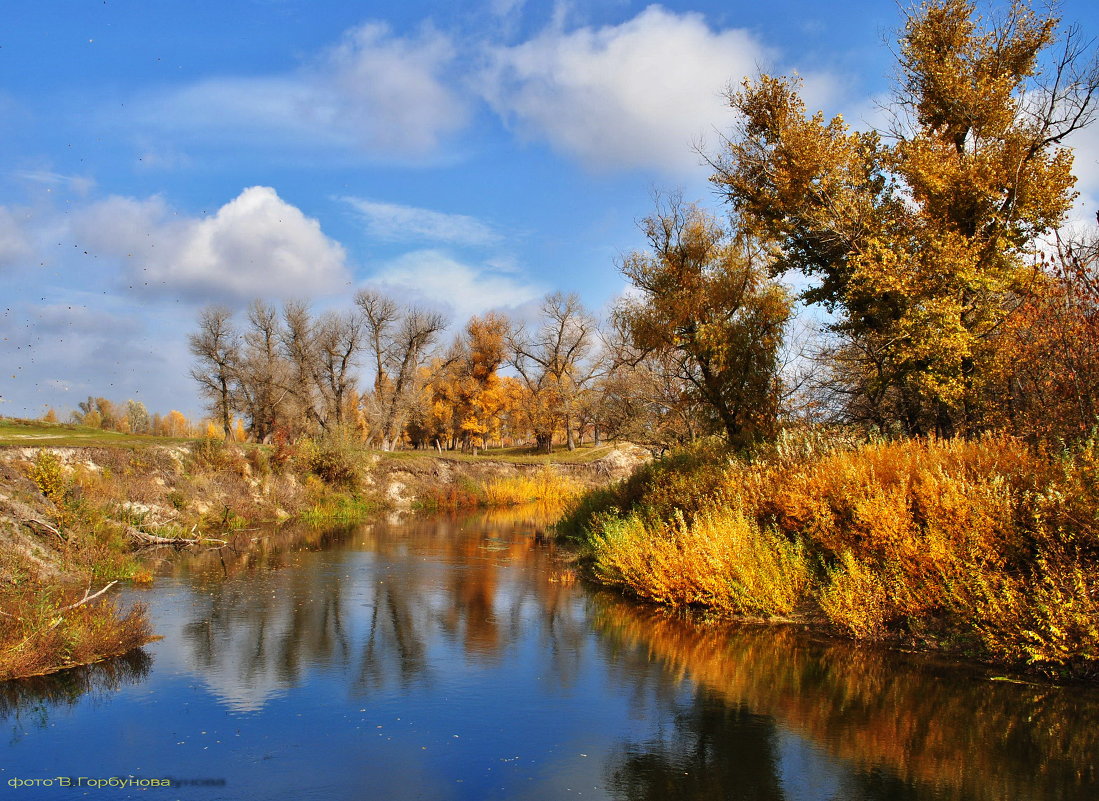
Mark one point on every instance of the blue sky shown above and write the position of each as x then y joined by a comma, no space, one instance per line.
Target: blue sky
158,156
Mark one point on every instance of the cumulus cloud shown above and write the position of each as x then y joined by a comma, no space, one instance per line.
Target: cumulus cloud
14,243
395,223
434,277
373,91
639,94
256,244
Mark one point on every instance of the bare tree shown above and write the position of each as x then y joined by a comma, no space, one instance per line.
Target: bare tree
399,342
298,341
380,314
338,341
216,346
263,381
555,363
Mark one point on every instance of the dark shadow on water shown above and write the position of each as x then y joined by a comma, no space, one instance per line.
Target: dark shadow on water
28,702
901,723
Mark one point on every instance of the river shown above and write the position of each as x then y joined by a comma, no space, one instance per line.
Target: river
459,658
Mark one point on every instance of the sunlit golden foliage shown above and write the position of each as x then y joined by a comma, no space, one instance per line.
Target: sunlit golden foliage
923,241
981,545
48,475
545,485
720,560
703,297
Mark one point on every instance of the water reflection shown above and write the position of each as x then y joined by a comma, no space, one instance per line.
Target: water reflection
27,702
372,604
391,639
900,721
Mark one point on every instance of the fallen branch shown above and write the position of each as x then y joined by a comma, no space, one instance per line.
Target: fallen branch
42,524
153,539
86,597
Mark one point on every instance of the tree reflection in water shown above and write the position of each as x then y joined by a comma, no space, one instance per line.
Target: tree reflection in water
900,722
399,612
26,702
375,603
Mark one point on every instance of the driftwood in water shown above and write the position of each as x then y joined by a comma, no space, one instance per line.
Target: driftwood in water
152,539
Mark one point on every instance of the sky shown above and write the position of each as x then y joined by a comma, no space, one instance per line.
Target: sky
157,156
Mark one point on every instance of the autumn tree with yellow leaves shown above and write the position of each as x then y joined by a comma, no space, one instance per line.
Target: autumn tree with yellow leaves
705,302
921,238
467,396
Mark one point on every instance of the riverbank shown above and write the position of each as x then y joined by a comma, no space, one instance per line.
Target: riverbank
981,548
74,520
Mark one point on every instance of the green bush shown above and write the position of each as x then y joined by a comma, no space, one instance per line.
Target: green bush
335,458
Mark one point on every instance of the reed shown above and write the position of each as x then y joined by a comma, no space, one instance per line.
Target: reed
544,486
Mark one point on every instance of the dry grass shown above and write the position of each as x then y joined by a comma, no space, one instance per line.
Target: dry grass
545,486
720,560
984,545
38,635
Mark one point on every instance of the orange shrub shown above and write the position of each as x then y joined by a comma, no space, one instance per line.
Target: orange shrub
984,544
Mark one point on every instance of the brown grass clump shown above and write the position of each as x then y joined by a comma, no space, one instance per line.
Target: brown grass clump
38,635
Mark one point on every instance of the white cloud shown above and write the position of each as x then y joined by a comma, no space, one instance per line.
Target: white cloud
395,223
434,277
636,94
1086,168
373,91
255,245
79,184
14,243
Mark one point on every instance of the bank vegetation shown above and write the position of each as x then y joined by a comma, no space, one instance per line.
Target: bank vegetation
933,481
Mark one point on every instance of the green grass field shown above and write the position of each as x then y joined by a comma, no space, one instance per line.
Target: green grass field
37,434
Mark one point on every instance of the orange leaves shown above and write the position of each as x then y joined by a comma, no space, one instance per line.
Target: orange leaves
981,543
468,400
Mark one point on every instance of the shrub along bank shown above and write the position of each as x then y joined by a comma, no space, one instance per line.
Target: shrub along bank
72,520
985,547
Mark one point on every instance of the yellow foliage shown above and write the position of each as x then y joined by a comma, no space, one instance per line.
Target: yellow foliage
48,475
545,485
720,560
982,544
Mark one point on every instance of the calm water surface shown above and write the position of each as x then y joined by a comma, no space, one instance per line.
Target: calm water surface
456,659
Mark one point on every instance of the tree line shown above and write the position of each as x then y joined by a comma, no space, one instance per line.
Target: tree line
132,417
959,302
